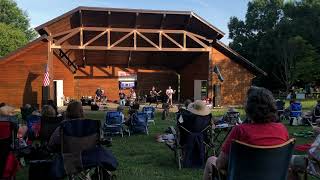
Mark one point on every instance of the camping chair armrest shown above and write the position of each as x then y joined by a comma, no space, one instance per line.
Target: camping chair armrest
173,130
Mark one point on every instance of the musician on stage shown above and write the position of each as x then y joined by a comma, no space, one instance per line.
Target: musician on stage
133,96
169,93
154,95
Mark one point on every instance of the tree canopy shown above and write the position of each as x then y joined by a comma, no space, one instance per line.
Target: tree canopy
15,28
282,38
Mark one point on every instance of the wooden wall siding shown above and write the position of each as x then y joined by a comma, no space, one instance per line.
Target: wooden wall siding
88,79
22,76
60,72
197,70
237,79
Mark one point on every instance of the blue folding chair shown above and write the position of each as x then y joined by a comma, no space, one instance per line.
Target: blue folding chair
139,123
295,113
114,123
149,110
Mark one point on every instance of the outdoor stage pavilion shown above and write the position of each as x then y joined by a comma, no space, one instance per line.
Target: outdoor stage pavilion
90,47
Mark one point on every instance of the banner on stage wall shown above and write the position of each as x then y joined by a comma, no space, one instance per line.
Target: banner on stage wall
127,76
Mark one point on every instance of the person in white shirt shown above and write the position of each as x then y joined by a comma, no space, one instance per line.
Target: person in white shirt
133,96
169,93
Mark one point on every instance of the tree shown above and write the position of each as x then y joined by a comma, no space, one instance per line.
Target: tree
11,38
281,37
11,14
295,57
15,29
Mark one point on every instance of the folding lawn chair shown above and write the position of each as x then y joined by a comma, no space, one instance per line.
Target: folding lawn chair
8,161
114,123
295,113
149,110
48,125
193,136
259,162
139,123
232,118
316,113
83,157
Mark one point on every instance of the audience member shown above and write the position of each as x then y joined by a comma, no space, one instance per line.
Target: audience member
122,97
48,111
120,109
74,111
309,162
2,104
53,105
316,112
261,129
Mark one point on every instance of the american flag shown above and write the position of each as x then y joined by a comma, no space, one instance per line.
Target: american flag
46,81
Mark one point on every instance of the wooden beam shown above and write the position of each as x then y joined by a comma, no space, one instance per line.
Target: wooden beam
47,31
184,40
160,40
172,40
95,38
130,48
108,40
121,39
200,37
63,33
135,39
68,36
81,37
197,40
131,29
148,40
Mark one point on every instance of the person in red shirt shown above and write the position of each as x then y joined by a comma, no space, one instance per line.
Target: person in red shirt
262,129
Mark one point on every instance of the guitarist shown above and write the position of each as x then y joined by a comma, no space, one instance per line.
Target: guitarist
154,95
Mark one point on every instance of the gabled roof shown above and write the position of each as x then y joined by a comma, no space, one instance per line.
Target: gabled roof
237,57
187,20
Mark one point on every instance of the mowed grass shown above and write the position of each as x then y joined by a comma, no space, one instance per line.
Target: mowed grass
140,157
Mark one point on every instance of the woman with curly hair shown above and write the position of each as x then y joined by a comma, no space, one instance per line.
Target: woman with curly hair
261,129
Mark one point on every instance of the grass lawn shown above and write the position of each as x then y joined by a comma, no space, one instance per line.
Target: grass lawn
140,157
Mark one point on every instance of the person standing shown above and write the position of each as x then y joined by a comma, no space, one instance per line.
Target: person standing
169,93
122,97
133,96
154,96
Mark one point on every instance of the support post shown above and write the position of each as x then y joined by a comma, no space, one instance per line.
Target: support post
50,67
210,77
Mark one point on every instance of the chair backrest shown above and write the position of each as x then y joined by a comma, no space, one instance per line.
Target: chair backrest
193,124
149,110
113,118
48,125
139,119
280,105
232,117
316,111
34,125
295,109
7,136
259,162
79,134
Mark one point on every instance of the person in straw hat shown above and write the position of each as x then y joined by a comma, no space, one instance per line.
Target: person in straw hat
7,114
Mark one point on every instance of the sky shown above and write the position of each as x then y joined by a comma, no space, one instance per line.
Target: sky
216,12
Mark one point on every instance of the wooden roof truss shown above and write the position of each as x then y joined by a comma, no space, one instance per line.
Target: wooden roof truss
57,40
